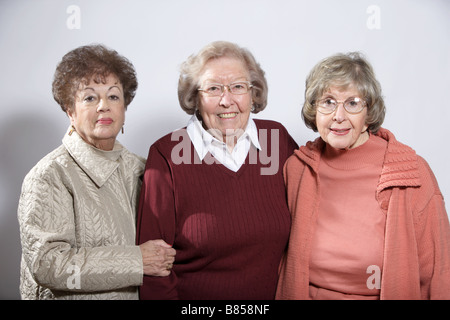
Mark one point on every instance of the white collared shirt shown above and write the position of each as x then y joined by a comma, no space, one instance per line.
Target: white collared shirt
205,142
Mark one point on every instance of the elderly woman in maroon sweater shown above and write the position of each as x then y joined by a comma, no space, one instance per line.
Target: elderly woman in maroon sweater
214,189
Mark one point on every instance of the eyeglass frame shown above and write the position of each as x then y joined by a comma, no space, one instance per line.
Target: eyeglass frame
343,104
222,88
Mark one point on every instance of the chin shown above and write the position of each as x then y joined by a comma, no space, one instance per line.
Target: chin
107,133
340,145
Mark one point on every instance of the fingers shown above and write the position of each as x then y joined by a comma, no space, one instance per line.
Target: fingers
158,257
158,269
170,252
162,243
160,273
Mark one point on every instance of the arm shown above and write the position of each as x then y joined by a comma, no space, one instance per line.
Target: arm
433,239
50,250
290,144
439,286
156,220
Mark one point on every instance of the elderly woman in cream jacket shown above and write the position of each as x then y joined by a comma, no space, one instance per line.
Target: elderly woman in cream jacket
78,204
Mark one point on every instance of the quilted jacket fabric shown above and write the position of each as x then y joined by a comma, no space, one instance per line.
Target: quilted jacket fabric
77,224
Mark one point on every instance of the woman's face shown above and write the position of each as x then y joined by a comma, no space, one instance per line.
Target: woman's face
340,129
99,112
228,114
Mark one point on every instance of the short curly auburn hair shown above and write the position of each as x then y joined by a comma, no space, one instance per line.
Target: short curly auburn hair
91,62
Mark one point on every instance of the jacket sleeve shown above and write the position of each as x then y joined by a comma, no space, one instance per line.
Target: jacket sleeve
49,246
156,220
433,239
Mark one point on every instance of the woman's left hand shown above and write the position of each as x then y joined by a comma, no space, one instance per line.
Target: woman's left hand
157,257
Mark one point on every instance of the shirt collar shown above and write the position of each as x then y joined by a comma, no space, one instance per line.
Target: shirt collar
202,139
97,164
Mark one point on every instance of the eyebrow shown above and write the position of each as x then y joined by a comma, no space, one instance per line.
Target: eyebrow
330,96
109,89
114,86
237,79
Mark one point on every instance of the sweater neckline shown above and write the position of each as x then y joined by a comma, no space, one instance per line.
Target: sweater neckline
400,164
368,154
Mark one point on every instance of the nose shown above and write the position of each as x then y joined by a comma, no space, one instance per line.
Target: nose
226,98
103,105
339,113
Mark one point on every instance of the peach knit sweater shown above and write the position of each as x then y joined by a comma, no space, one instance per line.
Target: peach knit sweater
348,235
416,259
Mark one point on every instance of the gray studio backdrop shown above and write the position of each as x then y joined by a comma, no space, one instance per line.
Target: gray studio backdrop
407,41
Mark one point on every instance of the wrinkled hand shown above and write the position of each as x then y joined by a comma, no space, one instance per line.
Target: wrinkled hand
158,258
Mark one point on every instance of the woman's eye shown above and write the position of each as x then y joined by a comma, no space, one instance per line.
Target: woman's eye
114,97
213,88
89,99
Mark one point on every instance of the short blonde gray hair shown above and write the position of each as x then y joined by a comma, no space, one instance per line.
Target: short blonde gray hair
190,71
343,71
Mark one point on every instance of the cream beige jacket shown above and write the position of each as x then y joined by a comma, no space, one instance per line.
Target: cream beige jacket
77,224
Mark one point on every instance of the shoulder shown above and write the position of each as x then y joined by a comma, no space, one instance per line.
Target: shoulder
269,124
409,166
285,139
50,165
427,201
133,160
294,172
405,169
165,144
429,184
294,164
162,151
48,174
171,138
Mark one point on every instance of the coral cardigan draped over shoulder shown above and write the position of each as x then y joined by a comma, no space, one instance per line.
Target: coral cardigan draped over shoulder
416,262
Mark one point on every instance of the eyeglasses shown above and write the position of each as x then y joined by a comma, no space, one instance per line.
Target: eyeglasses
351,105
217,89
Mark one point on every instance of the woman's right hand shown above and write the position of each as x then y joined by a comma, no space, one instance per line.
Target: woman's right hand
157,257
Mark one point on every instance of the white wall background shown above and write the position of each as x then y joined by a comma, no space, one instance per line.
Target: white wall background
407,41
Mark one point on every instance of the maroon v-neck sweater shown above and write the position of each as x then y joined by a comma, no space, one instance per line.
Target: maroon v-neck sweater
229,229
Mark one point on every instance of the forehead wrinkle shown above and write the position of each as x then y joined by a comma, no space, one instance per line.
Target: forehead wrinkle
216,70
340,89
235,79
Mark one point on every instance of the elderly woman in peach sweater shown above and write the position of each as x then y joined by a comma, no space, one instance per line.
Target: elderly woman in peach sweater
368,218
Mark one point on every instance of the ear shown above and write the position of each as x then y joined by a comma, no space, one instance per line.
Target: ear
366,126
71,114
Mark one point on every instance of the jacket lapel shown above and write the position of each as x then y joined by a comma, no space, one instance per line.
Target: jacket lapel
98,164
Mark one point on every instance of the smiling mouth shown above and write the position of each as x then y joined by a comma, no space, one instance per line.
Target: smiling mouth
228,115
340,131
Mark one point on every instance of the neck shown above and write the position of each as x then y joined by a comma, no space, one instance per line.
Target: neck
230,141
372,151
363,137
105,145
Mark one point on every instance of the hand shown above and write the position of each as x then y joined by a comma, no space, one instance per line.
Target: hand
157,257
